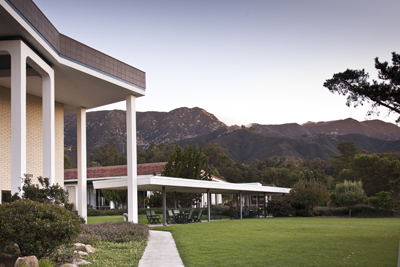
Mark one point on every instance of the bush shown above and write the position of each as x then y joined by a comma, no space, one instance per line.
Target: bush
360,211
113,232
37,228
280,206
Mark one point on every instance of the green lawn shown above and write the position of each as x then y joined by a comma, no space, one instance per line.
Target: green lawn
289,242
117,218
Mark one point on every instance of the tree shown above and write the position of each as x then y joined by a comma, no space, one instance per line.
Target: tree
309,193
348,150
349,194
190,163
108,155
117,196
354,84
384,201
67,162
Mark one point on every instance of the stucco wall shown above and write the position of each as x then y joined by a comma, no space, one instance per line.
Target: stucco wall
34,155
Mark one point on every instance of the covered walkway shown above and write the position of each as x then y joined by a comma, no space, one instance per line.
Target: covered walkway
170,184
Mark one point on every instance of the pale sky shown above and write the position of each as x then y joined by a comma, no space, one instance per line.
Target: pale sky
243,61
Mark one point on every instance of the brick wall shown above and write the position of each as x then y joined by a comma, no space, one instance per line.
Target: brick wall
34,156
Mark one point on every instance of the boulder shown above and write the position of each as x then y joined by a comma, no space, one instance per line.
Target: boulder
80,262
90,249
2,265
30,261
81,253
69,265
79,246
8,260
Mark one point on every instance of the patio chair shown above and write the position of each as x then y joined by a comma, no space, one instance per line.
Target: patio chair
246,213
170,217
198,217
232,214
177,215
149,217
190,216
156,218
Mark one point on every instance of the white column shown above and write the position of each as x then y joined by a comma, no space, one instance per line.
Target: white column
49,158
18,116
164,206
131,158
240,204
208,204
81,142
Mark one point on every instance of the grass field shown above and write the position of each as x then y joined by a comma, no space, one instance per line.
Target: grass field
289,242
119,218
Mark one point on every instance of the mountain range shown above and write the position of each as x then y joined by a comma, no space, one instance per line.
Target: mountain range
243,143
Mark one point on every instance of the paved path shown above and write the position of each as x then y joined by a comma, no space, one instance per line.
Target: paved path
160,251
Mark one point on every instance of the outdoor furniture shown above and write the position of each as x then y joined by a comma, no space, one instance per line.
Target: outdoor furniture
149,217
170,217
216,213
233,214
246,213
190,216
156,218
181,217
198,217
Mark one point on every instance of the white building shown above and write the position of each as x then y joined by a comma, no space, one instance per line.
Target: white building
43,76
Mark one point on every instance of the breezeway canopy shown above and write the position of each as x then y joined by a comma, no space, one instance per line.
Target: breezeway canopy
171,184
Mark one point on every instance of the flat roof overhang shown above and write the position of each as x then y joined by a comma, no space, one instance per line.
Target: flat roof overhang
155,183
76,84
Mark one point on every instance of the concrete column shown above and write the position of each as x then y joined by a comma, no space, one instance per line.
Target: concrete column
265,205
208,204
49,151
175,201
18,117
216,200
164,206
131,158
240,204
81,162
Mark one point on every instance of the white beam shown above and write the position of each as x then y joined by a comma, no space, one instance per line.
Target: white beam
81,142
131,158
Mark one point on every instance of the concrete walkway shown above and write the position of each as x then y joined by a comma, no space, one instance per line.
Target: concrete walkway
160,251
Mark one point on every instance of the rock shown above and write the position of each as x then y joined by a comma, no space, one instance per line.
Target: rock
81,253
8,260
90,249
69,265
30,261
80,262
79,246
2,265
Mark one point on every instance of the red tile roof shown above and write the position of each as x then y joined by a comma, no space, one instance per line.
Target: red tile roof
115,171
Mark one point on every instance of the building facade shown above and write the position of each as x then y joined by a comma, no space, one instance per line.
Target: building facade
45,75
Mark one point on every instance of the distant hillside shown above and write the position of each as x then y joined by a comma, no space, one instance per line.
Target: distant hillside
244,146
183,125
374,128
168,127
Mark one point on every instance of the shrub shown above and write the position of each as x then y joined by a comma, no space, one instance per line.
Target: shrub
360,211
45,193
280,206
37,228
384,201
113,232
45,263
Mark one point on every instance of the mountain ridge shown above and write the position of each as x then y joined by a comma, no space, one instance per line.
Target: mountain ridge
182,125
